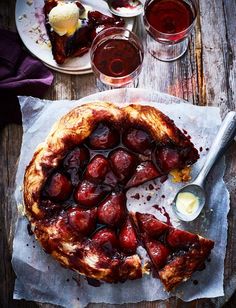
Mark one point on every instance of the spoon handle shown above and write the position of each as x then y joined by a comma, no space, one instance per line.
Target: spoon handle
224,137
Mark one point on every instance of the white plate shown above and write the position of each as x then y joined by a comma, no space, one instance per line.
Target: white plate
65,71
31,27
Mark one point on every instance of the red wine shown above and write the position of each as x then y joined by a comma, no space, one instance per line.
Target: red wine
117,57
170,16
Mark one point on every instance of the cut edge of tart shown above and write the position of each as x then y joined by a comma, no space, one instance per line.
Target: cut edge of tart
175,254
75,185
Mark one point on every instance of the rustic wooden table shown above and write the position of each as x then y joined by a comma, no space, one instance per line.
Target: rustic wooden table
204,76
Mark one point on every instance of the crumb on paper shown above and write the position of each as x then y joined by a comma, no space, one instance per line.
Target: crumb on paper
146,268
29,2
182,175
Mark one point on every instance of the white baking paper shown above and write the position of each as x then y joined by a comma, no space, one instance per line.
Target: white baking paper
41,278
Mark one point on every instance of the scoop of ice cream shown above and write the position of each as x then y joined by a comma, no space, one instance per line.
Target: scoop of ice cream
64,18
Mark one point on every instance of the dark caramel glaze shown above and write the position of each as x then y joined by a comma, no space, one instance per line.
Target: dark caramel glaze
75,185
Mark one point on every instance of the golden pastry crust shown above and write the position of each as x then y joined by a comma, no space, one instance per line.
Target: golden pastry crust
55,235
182,267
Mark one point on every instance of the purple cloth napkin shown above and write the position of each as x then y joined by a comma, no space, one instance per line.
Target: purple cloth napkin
20,74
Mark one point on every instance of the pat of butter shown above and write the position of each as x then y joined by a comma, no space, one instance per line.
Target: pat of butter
187,203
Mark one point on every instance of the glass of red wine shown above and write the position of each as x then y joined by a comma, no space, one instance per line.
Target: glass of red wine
169,24
116,58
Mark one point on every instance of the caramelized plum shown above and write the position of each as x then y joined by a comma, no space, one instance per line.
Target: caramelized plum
75,162
111,211
105,238
89,194
97,18
128,238
103,137
138,141
99,21
150,225
158,253
111,179
97,169
123,163
83,221
168,159
58,187
181,239
145,171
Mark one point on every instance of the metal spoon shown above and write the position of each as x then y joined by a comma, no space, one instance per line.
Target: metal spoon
224,137
125,8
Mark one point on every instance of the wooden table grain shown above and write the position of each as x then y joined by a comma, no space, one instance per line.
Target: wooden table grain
206,75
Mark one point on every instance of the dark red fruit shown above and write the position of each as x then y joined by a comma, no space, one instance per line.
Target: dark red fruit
181,239
99,22
111,211
168,159
75,162
103,137
138,140
83,221
58,187
158,253
97,169
123,163
105,238
128,238
89,194
150,225
110,179
145,171
78,158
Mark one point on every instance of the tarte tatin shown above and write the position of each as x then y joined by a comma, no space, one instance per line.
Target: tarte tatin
75,194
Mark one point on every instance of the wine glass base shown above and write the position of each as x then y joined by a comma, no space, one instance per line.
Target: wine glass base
167,52
104,87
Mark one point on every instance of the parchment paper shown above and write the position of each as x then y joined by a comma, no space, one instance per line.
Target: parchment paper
40,278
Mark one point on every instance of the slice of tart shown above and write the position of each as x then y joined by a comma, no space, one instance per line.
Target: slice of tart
175,254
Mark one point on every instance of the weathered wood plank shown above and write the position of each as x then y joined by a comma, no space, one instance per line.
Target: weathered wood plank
229,7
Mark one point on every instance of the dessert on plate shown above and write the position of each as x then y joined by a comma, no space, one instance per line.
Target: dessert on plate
75,194
72,26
